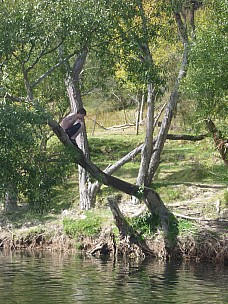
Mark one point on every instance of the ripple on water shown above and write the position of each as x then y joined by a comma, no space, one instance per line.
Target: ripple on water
58,278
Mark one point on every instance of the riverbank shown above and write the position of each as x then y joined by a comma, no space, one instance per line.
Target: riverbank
191,181
204,246
203,236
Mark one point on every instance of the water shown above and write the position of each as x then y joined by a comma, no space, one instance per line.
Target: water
61,278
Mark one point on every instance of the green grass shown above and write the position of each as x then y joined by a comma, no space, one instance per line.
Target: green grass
171,193
181,163
147,225
191,162
109,148
186,227
88,224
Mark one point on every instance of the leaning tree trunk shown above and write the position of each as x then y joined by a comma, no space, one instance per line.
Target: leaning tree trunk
148,143
151,198
172,104
125,229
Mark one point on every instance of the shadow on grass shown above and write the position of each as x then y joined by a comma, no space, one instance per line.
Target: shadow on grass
197,173
62,197
110,149
23,216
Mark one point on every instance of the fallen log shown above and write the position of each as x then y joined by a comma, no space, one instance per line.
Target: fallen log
125,229
185,137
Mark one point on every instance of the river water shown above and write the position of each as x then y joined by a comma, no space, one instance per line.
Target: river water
47,278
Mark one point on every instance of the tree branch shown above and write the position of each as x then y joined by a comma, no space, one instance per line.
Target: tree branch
131,155
43,53
186,137
181,28
12,98
52,69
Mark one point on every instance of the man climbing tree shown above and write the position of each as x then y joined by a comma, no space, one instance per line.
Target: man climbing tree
73,124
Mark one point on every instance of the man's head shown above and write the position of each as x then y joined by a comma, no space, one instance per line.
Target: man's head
81,113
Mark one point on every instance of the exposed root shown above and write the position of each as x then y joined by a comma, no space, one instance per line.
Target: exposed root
205,248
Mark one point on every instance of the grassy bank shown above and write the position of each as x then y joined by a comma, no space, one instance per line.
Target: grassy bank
191,180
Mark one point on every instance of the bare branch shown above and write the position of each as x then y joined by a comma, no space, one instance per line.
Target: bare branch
43,53
130,156
30,52
13,98
181,28
52,69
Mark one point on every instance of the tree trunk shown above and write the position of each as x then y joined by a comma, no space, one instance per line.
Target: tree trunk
147,147
148,143
125,229
171,106
74,93
10,200
221,145
149,196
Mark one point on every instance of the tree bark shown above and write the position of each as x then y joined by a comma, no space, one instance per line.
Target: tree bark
125,229
171,107
10,200
74,93
149,196
221,145
148,143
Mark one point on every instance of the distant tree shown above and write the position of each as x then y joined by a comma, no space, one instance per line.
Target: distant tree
142,31
206,83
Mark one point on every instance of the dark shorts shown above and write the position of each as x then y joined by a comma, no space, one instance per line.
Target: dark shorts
73,130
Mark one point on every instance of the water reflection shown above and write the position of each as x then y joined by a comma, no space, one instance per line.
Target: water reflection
38,277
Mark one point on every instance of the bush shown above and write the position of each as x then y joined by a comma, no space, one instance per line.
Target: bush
27,165
145,224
